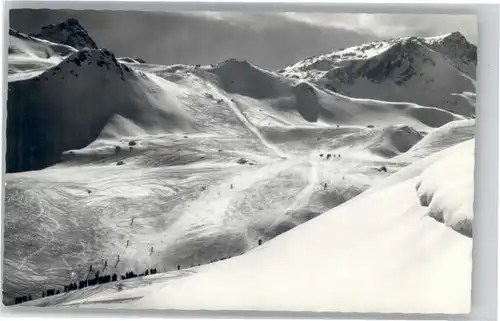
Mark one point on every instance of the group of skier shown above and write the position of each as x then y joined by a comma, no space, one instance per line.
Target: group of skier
329,156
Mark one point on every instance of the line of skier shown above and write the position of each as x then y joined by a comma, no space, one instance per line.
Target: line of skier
329,156
337,156
77,285
101,279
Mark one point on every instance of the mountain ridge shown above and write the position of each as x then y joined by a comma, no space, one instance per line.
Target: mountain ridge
240,77
40,128
403,67
69,32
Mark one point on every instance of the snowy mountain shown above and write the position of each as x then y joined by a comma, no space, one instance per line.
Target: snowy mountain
124,165
455,47
399,70
96,78
41,126
68,32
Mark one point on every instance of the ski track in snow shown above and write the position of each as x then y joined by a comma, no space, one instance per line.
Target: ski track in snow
50,231
303,197
247,123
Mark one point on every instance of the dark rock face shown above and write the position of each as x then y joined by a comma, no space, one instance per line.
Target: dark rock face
48,114
36,137
458,47
68,32
17,34
397,61
459,51
411,60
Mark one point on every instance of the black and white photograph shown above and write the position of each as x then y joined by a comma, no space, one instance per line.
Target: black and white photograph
237,161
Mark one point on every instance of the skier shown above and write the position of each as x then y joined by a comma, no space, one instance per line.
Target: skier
231,186
260,242
132,222
127,244
325,186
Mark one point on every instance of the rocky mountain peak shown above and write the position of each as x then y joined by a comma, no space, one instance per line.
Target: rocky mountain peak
69,32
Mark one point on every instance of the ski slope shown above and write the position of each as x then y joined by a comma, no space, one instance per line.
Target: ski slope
149,166
384,252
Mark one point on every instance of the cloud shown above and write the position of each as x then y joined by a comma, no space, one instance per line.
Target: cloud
380,25
392,25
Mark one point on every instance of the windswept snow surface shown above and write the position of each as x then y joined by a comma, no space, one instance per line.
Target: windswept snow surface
29,57
448,135
445,187
141,165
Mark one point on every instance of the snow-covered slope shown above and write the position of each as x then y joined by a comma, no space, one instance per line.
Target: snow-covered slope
128,60
441,138
85,74
29,56
163,166
446,188
304,103
70,104
399,70
386,251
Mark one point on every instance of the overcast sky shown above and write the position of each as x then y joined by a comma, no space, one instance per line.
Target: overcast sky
268,40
